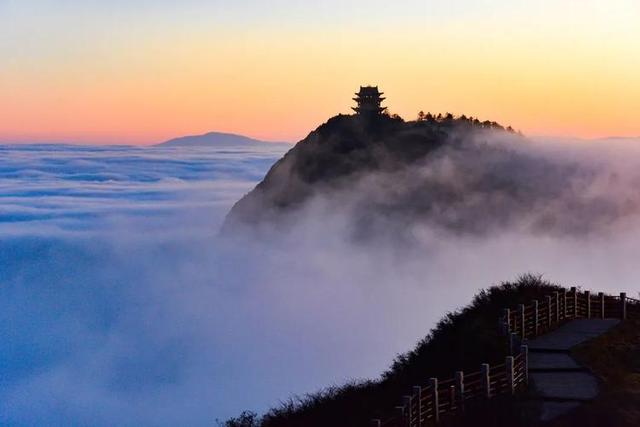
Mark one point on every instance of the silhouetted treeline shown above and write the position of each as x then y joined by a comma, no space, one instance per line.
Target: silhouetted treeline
471,121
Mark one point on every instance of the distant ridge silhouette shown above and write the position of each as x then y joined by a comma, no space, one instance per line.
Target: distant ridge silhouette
217,139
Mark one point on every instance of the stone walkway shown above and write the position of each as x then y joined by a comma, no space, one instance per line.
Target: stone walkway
558,380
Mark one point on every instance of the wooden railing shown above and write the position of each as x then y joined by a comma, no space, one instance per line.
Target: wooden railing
539,317
425,404
428,403
633,308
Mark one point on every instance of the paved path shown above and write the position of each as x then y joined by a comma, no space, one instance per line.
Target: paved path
558,379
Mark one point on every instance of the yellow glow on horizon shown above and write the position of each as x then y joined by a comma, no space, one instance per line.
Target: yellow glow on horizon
274,85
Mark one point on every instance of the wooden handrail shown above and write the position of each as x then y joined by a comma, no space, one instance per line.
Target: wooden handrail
447,396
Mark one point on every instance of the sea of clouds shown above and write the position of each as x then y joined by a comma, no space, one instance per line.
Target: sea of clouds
121,305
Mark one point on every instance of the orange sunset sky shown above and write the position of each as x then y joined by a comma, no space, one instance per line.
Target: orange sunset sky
144,71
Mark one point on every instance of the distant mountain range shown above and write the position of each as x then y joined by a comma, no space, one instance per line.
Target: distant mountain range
214,139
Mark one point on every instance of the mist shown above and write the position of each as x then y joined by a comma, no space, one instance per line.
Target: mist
121,303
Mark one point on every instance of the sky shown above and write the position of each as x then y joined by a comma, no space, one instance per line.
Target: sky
142,71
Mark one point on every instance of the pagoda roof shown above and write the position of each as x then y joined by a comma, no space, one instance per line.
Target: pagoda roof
369,91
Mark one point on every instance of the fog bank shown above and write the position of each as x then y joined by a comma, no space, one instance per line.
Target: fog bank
122,305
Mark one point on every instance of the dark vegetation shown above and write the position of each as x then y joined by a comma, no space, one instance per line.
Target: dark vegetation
462,340
472,122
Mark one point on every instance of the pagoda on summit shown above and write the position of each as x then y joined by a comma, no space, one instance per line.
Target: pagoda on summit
369,100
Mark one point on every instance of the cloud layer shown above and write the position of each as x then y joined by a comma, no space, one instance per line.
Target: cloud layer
120,304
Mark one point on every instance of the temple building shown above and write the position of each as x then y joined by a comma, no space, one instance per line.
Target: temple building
369,100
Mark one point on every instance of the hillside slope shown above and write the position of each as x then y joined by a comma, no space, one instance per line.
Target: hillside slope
462,340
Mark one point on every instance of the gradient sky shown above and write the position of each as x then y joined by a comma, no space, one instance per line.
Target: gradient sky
141,71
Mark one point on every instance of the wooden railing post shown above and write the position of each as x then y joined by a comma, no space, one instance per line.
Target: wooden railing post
523,332
557,295
401,414
459,379
513,343
574,290
587,295
510,375
549,302
435,402
417,395
601,297
623,305
535,318
485,380
407,403
452,397
507,321
524,350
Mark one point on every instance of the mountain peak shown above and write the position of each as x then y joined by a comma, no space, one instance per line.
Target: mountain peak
334,159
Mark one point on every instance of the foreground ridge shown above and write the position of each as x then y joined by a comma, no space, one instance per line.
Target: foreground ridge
539,336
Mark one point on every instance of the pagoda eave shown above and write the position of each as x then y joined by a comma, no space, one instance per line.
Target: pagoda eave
368,110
